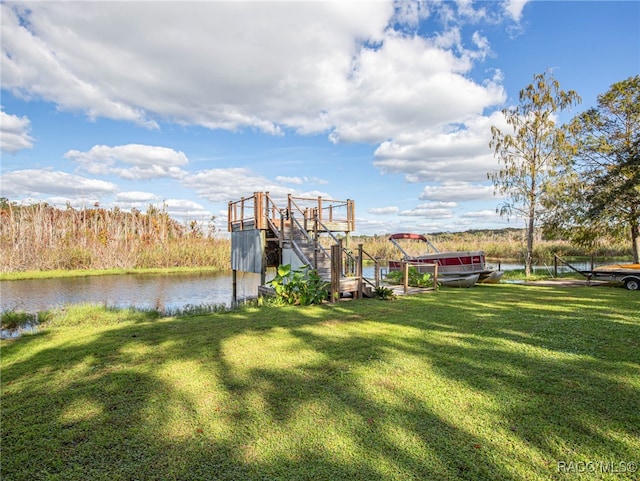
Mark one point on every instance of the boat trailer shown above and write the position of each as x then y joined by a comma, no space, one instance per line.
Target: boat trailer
625,274
627,277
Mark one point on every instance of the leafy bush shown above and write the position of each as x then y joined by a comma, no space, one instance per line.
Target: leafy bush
384,293
416,279
298,287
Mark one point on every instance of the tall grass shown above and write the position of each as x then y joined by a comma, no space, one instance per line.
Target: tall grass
42,237
497,244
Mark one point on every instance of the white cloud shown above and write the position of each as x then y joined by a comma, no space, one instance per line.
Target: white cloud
323,66
300,180
289,180
186,210
384,210
412,85
440,204
224,185
357,71
137,197
44,62
183,205
216,64
429,211
514,8
148,161
456,191
482,214
36,182
231,184
449,153
14,133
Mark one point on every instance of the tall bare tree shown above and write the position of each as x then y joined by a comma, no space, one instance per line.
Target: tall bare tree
530,154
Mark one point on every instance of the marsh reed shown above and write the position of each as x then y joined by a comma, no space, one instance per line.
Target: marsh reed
42,237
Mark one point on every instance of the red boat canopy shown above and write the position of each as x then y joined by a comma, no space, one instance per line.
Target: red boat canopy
405,235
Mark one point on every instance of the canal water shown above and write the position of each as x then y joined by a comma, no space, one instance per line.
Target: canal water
164,292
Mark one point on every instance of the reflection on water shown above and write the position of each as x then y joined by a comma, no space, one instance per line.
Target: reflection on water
156,291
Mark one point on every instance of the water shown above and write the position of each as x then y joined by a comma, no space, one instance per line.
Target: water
580,264
145,291
162,291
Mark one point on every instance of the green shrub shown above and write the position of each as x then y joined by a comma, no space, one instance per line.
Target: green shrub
416,279
384,293
298,287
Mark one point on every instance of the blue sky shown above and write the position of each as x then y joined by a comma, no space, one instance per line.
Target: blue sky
194,104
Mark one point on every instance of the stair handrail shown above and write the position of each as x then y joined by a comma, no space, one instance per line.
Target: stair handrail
273,227
337,241
301,228
319,222
301,255
309,240
305,212
376,270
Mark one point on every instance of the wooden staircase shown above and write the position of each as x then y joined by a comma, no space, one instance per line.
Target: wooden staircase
298,229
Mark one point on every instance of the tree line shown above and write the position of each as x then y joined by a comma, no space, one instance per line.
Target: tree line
578,181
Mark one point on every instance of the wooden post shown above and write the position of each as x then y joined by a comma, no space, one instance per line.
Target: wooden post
316,238
320,208
555,265
435,276
405,276
281,230
291,226
234,288
263,267
242,213
255,201
351,214
336,272
359,272
229,216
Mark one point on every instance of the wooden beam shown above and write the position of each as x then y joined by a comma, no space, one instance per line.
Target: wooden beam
336,272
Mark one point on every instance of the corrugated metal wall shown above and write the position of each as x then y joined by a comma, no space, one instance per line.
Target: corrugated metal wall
247,251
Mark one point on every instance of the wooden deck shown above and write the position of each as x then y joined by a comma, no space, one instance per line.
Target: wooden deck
261,211
267,232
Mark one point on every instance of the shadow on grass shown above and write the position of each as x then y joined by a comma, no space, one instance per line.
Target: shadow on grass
491,383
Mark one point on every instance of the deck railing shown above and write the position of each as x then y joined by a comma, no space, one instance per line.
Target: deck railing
255,211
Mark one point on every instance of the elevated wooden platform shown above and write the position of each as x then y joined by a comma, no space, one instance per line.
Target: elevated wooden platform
267,232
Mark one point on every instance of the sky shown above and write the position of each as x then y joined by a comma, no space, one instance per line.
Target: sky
189,105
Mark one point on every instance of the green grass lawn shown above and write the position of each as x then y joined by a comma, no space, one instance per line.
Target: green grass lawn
503,382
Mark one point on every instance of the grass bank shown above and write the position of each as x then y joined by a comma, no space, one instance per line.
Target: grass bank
500,382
